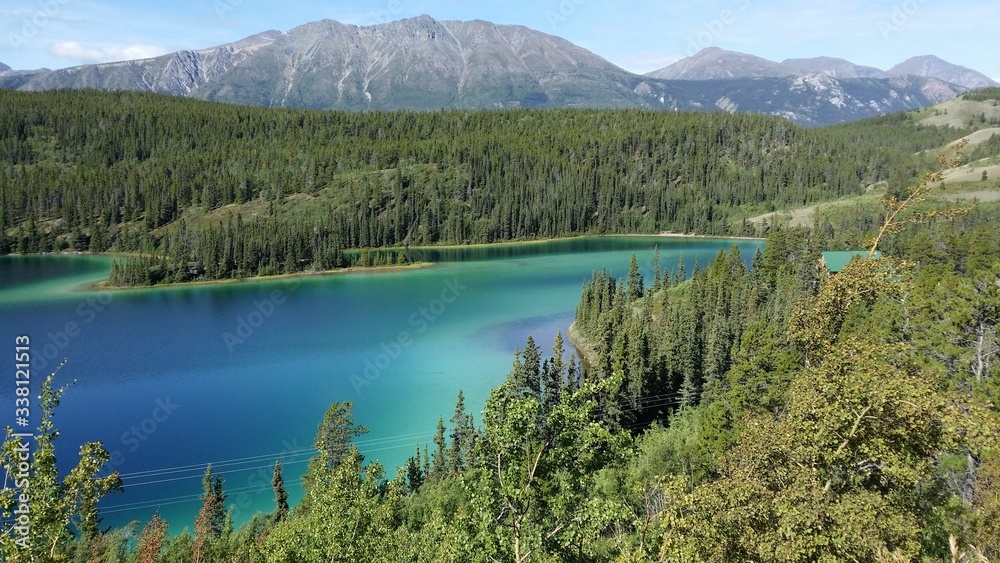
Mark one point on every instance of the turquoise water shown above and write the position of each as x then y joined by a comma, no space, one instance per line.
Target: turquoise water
240,375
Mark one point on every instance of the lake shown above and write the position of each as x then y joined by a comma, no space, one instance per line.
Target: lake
239,375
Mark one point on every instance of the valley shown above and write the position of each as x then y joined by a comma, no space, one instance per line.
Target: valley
744,396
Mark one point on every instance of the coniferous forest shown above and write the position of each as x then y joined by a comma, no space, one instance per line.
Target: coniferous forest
196,190
717,412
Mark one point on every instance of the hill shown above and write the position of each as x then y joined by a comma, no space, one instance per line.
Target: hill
239,190
974,139
963,111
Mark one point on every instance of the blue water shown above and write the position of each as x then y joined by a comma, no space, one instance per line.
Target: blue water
240,375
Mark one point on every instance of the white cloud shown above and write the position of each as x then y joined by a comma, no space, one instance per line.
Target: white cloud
74,51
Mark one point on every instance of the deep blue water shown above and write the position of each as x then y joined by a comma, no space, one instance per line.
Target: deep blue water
240,375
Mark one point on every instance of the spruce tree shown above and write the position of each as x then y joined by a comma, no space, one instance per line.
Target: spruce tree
414,471
554,375
280,495
462,437
333,440
439,467
657,274
208,526
532,359
634,283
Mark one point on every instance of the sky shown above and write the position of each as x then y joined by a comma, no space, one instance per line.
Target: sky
637,35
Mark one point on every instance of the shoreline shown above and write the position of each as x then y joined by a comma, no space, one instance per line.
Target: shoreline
586,354
664,234
504,243
667,234
102,285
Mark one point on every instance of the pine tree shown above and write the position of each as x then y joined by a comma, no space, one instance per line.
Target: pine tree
333,440
462,437
657,274
554,375
680,272
219,513
209,524
439,467
414,471
280,495
532,359
634,282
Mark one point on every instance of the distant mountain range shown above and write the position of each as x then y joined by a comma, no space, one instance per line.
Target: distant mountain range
425,64
929,65
714,64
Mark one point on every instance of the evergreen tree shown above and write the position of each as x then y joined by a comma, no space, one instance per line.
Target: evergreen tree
634,282
414,471
336,431
554,376
657,274
463,436
532,360
211,521
280,495
439,467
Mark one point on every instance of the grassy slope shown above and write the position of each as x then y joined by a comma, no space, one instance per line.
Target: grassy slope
961,184
958,112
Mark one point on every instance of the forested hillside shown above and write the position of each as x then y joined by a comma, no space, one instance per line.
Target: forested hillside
214,191
772,414
720,412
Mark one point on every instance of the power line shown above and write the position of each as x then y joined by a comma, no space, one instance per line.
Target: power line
361,444
288,458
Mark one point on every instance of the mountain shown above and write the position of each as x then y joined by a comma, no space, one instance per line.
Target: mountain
713,63
837,68
4,68
929,65
425,64
816,99
418,63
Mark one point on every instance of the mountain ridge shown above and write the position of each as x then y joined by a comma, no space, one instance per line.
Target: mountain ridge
713,63
931,65
835,67
413,63
425,64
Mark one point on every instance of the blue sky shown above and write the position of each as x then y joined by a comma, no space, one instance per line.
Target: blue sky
638,35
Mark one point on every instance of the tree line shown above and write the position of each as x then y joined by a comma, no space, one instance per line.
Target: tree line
223,191
751,408
721,411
